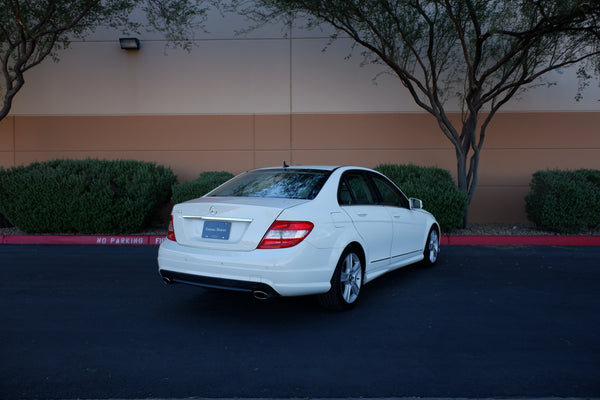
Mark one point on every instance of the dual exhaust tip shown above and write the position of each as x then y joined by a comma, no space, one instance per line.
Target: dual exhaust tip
257,294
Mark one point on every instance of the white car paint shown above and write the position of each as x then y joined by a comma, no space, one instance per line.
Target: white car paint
389,236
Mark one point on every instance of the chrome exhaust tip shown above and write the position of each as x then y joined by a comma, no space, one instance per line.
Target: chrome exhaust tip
167,280
260,295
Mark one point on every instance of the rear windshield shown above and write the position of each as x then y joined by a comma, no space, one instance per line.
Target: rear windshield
278,183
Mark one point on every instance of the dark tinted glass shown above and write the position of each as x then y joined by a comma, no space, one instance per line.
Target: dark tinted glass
278,183
390,195
359,188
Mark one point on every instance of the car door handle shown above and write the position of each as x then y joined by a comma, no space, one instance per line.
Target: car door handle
362,214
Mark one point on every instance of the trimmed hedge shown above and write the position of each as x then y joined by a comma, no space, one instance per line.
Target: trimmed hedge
435,187
4,223
206,182
84,196
564,201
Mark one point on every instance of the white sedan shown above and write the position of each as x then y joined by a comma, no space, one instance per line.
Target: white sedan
294,231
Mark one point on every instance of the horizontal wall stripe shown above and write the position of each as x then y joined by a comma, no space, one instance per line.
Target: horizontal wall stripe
517,145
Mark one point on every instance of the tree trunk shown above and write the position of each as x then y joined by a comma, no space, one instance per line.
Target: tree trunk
467,158
463,186
12,87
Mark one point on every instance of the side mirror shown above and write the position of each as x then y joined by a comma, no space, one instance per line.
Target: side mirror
415,204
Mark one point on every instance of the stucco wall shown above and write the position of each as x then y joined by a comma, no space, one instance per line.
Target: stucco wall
518,144
237,102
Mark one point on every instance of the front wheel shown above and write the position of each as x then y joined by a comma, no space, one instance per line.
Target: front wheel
346,283
432,247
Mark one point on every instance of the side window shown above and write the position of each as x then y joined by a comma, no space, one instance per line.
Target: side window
354,189
344,195
390,195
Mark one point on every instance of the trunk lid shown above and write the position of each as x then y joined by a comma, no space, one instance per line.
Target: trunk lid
227,223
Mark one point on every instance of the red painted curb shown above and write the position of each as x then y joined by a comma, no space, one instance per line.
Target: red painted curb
154,240
83,239
521,240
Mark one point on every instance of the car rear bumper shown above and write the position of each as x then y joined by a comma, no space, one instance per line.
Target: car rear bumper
296,271
259,289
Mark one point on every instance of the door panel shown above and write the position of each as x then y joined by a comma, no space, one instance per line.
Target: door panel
375,227
406,233
372,221
406,238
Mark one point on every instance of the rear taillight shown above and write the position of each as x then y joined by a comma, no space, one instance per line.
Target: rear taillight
284,234
171,232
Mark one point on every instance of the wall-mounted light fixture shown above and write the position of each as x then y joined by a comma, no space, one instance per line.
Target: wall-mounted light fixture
129,43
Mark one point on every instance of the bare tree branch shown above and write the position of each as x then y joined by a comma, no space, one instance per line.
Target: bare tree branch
482,51
32,30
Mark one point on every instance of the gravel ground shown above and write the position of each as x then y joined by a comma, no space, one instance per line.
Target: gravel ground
518,229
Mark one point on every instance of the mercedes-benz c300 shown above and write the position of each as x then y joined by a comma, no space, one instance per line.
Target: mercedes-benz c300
291,231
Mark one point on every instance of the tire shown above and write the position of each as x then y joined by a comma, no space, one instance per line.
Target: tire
346,283
432,247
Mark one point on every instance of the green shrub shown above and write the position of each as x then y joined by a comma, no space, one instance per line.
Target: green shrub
4,223
84,196
564,201
435,187
206,182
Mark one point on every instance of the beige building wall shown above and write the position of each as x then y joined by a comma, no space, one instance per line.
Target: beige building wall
235,103
519,144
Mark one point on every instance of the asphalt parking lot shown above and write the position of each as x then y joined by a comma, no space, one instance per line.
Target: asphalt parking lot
97,322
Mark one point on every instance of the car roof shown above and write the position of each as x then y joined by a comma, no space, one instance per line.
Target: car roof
315,167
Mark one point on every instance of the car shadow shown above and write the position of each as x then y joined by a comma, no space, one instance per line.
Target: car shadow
200,303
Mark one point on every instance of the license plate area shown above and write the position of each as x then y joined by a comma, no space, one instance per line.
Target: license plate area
216,230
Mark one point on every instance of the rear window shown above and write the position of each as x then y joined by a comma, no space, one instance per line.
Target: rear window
275,183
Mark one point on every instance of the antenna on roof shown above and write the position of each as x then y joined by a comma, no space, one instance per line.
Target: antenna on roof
285,165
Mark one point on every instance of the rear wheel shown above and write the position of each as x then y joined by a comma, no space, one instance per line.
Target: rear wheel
432,247
346,283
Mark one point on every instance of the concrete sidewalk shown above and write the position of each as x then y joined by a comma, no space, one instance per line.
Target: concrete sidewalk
155,240
126,240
